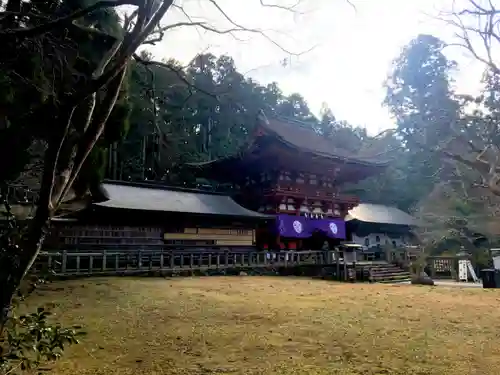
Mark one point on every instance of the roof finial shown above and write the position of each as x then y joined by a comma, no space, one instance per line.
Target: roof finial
261,116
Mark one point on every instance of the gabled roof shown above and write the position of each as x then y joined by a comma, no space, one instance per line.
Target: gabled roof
149,197
379,214
297,134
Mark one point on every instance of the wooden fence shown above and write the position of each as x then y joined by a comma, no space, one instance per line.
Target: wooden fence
67,263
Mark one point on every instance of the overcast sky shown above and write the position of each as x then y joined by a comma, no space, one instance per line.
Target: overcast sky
352,55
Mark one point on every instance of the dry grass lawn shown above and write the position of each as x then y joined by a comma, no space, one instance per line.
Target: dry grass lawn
259,325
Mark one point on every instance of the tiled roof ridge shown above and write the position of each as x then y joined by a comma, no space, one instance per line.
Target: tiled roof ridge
334,152
160,186
381,214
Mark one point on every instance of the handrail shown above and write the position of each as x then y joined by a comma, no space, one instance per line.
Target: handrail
67,263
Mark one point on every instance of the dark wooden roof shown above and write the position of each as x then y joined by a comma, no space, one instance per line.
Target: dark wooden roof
379,214
302,137
297,136
159,198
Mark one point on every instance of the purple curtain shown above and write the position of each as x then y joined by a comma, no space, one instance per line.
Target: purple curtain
293,226
301,227
333,228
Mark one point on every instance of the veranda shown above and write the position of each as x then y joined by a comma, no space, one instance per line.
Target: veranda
341,264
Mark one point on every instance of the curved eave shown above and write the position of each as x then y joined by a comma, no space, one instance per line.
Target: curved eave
300,137
174,200
205,164
232,159
381,215
348,220
337,158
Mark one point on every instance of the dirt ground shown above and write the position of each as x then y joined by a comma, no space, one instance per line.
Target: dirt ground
272,325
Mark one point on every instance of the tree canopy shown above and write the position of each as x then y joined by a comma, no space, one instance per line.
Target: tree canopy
451,137
204,111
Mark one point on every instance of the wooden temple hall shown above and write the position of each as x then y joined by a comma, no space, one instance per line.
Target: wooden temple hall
287,178
140,216
290,172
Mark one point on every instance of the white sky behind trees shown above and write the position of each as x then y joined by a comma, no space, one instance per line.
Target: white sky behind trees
353,53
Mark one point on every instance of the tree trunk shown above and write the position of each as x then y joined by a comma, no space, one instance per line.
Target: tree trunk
34,240
17,260
7,290
15,267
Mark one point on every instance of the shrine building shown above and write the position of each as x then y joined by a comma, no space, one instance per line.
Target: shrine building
375,227
291,172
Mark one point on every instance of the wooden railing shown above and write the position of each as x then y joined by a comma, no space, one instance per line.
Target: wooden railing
314,192
69,263
402,255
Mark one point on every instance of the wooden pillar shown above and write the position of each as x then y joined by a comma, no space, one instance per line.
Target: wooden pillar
329,206
337,261
454,271
345,268
432,268
354,264
298,204
455,267
388,254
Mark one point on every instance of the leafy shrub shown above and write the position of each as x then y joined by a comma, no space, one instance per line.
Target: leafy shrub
30,340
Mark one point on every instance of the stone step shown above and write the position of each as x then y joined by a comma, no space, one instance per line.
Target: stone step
391,276
389,273
388,267
398,281
406,280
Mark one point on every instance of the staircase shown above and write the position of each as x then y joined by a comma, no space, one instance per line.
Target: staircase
387,273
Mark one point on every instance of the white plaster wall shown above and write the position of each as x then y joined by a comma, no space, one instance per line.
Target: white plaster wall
384,239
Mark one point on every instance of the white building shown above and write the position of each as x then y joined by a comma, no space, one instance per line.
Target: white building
377,226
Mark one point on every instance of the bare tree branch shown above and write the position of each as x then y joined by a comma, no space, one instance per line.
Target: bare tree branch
290,8
177,72
486,30
237,27
480,40
46,27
